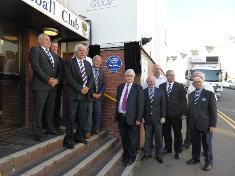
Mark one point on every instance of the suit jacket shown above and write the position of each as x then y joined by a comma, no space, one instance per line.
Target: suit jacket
100,83
176,101
42,68
203,114
135,103
155,110
73,79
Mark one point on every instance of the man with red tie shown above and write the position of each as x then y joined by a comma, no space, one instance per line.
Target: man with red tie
129,111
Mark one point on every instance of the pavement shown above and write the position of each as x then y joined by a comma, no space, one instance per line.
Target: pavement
224,158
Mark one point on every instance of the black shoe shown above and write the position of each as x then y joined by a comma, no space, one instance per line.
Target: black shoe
193,161
160,160
69,145
166,151
186,146
145,157
204,153
131,161
52,133
37,138
81,141
177,156
207,167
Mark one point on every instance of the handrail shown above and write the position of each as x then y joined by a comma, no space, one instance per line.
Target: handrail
110,98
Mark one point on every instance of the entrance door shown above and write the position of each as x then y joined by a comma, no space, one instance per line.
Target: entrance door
10,77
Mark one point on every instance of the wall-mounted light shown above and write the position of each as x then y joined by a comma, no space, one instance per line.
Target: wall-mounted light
10,38
50,31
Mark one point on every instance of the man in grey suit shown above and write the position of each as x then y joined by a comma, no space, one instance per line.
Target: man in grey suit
154,117
202,114
129,112
79,80
46,75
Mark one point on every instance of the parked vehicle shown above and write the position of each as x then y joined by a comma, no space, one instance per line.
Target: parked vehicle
232,85
226,84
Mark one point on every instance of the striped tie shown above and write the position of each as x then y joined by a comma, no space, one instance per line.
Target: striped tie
50,58
83,72
151,95
97,79
169,89
196,97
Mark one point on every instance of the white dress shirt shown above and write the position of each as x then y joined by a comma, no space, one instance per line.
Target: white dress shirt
160,80
167,85
121,99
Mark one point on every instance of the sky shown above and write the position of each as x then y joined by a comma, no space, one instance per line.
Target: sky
194,24
197,22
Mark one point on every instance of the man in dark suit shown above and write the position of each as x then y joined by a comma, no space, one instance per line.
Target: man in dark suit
154,117
46,75
202,114
176,107
129,111
98,90
57,113
79,80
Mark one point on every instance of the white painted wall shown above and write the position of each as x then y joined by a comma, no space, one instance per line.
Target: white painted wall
110,25
128,20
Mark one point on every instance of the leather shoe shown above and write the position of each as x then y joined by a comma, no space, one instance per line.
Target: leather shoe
177,156
81,141
166,151
88,135
186,146
69,145
193,161
207,167
145,157
37,138
52,133
160,160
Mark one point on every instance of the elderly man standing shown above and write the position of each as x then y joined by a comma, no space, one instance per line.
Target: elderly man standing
158,76
129,111
154,117
79,79
98,91
46,76
202,114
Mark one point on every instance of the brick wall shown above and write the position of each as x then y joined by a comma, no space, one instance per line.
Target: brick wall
30,40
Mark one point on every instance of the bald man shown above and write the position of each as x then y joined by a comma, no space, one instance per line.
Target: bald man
202,114
159,78
154,117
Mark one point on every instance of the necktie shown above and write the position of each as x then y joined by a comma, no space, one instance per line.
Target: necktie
196,97
83,72
50,58
97,79
169,89
125,99
151,95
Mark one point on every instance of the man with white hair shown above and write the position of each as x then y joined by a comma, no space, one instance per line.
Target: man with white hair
129,111
46,76
191,88
79,79
202,115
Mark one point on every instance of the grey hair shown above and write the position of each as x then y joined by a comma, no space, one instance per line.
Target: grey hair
41,36
79,45
130,72
199,74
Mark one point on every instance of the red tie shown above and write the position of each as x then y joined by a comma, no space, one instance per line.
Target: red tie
125,99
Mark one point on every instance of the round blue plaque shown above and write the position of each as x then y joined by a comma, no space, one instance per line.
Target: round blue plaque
113,64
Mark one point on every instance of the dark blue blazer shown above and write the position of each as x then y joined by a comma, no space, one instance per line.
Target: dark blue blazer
135,103
155,110
43,69
74,82
203,114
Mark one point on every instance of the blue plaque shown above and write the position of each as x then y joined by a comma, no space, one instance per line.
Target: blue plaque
113,64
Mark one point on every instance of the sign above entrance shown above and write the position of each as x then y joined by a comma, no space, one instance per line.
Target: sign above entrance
62,15
113,64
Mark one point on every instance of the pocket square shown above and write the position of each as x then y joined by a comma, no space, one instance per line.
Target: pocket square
204,99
